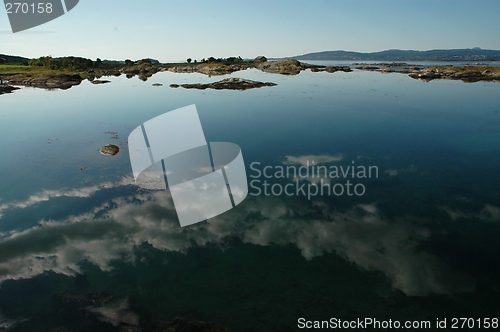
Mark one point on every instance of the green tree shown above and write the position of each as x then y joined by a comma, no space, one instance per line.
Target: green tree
143,61
189,60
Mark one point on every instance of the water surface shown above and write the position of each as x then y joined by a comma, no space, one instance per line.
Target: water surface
79,241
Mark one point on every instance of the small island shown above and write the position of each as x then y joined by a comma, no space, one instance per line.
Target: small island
232,83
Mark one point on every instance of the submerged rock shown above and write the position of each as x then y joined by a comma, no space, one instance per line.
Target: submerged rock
109,150
232,83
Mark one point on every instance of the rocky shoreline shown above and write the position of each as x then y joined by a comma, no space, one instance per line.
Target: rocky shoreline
467,74
144,71
62,82
7,88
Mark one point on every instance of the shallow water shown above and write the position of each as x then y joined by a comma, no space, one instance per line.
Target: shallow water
420,243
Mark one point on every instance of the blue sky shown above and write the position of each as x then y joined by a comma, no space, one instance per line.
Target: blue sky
175,30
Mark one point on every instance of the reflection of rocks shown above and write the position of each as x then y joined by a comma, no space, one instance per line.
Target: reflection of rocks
7,89
332,69
109,150
100,82
144,71
55,82
232,83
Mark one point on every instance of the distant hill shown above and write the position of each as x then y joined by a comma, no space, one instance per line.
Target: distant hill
13,58
468,54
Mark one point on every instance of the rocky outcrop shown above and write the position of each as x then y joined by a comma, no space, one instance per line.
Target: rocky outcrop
284,67
333,69
220,69
7,89
232,83
62,82
109,150
367,67
465,74
211,69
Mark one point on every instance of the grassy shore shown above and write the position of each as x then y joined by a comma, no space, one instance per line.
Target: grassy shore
15,72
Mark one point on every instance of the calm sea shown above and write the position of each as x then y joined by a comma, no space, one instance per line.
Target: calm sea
82,248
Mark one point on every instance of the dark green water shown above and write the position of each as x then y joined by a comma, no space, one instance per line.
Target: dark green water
83,249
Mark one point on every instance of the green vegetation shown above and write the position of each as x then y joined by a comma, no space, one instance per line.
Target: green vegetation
25,71
48,66
230,60
72,63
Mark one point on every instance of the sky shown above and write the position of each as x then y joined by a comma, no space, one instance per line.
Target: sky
176,30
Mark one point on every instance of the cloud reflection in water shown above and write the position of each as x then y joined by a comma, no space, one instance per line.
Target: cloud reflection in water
360,235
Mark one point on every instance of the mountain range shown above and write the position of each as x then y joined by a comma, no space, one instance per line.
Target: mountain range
467,54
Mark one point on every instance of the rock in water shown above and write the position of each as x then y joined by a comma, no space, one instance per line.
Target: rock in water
232,83
109,150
